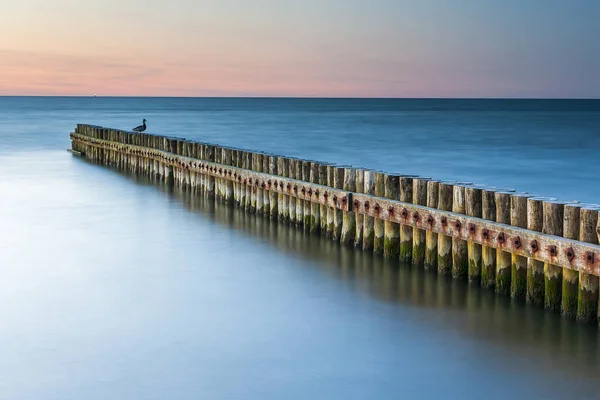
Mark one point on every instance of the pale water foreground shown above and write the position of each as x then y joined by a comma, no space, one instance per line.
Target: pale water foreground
115,288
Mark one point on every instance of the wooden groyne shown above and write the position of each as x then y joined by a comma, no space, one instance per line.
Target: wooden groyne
536,249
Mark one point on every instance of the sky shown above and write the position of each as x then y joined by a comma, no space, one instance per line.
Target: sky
307,48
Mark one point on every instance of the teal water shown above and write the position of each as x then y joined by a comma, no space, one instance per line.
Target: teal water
115,288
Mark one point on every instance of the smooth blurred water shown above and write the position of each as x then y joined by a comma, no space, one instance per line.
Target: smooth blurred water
114,288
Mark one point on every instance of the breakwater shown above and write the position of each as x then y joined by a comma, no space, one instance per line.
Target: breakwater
532,248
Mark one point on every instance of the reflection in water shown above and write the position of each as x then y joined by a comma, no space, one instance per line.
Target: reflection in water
547,341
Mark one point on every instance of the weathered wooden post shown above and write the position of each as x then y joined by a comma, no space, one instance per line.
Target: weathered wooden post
553,225
348,217
473,208
273,196
239,184
314,207
228,184
518,217
242,162
369,222
255,166
266,203
292,200
488,254
406,231
460,257
378,225
250,193
323,178
306,166
588,284
258,201
338,216
570,281
299,201
444,260
420,198
391,230
330,210
503,258
359,218
535,268
236,162
284,213
431,238
210,190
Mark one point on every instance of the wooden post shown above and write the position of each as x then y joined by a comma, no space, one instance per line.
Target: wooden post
553,225
473,208
243,194
299,202
406,232
235,163
290,216
258,167
292,199
315,208
431,238
228,184
359,218
535,268
419,197
348,217
518,217
306,177
444,259
503,258
252,189
284,207
460,256
210,154
273,196
391,230
323,177
378,225
250,193
338,216
488,254
369,222
587,300
330,210
570,281
266,210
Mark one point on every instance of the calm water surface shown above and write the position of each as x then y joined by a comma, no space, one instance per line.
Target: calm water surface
115,288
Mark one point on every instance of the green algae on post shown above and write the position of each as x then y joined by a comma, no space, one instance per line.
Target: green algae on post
431,238
553,225
570,281
460,258
518,217
349,218
406,231
444,259
419,236
391,230
587,298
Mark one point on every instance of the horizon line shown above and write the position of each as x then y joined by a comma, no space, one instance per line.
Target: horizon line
306,97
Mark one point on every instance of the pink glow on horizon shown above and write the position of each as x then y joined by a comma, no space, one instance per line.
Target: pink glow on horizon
321,48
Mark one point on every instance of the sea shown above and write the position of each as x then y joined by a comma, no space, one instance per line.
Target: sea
112,287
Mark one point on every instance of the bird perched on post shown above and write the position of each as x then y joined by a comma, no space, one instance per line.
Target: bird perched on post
140,128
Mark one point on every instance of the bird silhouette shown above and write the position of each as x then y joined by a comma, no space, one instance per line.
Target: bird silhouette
140,128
